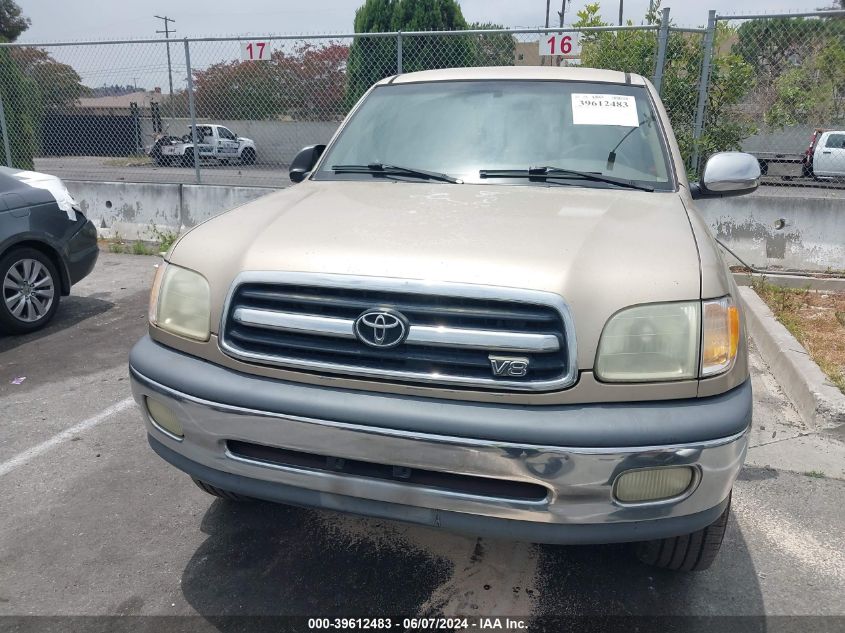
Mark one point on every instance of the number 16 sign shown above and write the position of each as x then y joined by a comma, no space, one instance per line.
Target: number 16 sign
568,44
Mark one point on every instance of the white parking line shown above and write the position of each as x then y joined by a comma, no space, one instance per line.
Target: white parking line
31,453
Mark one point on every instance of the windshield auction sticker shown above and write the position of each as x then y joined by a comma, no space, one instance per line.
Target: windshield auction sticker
589,109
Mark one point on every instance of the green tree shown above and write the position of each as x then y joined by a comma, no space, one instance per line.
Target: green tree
19,94
306,83
59,85
771,45
635,51
373,58
20,105
799,69
12,22
495,49
812,92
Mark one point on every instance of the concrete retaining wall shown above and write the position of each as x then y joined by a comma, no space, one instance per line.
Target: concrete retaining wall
779,231
812,236
130,210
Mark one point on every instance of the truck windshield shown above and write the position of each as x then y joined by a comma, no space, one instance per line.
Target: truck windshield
474,130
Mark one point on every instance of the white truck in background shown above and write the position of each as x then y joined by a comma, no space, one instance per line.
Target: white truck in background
828,157
214,142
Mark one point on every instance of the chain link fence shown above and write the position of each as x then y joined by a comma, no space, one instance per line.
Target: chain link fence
776,89
235,111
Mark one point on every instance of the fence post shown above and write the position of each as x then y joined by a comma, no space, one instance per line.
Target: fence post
703,85
5,132
192,108
399,52
662,42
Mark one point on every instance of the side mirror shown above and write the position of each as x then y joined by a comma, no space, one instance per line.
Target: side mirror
305,161
728,174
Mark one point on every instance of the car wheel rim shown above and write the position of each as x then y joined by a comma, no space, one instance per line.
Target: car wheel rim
28,290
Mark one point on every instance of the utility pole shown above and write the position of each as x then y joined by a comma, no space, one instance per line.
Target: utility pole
562,11
560,14
548,8
167,31
620,12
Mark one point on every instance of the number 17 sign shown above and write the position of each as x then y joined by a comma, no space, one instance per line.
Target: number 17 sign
568,44
255,51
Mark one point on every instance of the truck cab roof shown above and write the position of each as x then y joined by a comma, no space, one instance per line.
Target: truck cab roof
548,73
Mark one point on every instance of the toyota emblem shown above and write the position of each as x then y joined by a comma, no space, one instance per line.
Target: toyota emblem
381,327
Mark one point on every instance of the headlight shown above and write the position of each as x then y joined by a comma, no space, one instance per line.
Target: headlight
180,302
660,341
650,343
720,336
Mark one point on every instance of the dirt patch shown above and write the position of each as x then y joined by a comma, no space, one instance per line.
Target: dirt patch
816,319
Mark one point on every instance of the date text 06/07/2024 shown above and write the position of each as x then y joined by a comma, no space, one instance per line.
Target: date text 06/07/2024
419,624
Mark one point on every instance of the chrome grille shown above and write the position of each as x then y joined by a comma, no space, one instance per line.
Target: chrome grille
305,321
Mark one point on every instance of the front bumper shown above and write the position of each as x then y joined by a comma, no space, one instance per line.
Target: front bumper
578,506
81,252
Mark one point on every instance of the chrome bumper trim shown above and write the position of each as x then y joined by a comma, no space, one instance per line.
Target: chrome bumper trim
579,480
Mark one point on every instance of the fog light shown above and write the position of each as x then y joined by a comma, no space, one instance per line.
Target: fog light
164,417
652,484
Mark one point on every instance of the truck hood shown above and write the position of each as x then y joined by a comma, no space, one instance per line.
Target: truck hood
600,249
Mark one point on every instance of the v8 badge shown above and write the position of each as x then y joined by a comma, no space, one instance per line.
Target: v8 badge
510,366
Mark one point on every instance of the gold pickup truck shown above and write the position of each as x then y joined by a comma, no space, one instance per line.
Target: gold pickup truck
489,305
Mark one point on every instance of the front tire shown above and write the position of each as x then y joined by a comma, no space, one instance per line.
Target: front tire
690,552
188,158
248,156
30,291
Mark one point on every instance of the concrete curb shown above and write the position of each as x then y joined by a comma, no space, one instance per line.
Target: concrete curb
822,284
820,404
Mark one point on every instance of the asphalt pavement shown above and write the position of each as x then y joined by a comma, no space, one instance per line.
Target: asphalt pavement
93,523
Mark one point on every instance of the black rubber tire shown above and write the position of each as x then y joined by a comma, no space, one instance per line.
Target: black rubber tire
214,491
248,156
8,322
690,552
188,158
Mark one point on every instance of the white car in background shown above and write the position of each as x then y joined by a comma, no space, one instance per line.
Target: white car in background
829,155
215,142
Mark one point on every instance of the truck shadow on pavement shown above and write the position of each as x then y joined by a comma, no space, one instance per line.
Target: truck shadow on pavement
72,311
266,559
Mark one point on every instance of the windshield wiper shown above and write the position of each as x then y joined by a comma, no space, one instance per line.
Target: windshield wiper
557,172
394,170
